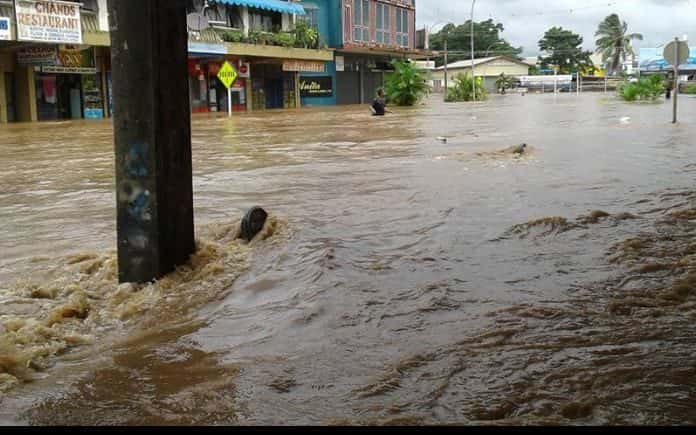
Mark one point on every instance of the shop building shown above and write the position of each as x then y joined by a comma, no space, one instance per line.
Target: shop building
367,36
54,69
260,39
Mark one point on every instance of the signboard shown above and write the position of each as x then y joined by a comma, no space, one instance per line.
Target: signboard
340,63
206,48
48,21
67,60
5,29
321,86
56,69
549,80
653,60
303,66
676,53
244,70
39,55
227,75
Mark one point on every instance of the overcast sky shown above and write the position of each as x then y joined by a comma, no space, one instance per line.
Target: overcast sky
526,21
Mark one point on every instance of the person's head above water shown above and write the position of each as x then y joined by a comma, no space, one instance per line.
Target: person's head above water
252,223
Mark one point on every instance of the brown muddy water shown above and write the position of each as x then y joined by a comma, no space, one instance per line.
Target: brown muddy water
403,280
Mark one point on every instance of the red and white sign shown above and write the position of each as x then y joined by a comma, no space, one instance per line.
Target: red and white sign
49,21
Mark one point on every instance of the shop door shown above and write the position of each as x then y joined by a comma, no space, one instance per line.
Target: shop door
69,96
47,97
274,93
371,82
10,97
348,87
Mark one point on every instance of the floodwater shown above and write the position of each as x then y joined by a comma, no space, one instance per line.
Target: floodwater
402,280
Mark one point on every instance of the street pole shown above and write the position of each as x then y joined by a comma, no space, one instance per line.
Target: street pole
152,131
446,87
473,68
676,81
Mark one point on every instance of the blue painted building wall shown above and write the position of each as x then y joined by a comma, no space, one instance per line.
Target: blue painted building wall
331,34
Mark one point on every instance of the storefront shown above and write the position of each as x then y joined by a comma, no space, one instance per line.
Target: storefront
66,81
359,77
272,88
207,93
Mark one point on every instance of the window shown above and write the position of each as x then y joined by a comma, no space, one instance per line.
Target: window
361,21
261,20
402,36
383,25
312,17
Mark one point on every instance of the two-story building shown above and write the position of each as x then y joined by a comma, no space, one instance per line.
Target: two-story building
268,43
367,35
54,59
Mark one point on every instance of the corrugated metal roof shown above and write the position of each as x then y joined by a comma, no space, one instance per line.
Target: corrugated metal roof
270,5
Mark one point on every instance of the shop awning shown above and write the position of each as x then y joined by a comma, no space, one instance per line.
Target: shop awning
270,5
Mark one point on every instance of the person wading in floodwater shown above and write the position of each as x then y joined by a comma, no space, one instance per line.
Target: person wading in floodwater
379,106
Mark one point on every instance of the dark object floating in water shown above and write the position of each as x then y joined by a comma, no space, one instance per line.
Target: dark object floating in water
520,149
252,223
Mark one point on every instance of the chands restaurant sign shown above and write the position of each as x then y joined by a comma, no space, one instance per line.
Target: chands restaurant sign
48,21
321,86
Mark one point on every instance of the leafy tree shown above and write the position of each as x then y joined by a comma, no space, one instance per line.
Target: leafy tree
463,89
407,84
614,42
487,39
564,49
503,83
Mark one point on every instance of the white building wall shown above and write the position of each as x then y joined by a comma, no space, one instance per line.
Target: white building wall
103,15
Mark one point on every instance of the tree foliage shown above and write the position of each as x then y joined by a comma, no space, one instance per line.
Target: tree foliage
463,89
564,51
503,83
614,42
407,84
487,38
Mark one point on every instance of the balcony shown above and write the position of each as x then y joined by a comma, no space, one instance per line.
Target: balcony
301,43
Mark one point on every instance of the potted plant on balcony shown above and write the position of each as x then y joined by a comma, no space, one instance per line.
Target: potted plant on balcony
306,36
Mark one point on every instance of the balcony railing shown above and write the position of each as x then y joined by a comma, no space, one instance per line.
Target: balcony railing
303,36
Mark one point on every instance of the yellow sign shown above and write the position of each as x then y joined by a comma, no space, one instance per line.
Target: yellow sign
227,75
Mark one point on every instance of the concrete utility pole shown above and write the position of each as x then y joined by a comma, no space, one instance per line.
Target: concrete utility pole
446,87
152,129
676,81
473,70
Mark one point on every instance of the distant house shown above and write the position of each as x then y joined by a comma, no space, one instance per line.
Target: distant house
490,68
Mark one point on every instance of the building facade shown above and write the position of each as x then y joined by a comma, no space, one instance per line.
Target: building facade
489,69
268,42
287,53
54,60
366,36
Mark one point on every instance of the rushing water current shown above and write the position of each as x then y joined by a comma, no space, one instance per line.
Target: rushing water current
402,279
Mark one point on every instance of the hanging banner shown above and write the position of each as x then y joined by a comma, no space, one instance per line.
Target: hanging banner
48,21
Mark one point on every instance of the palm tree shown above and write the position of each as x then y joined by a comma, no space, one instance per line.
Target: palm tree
614,42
